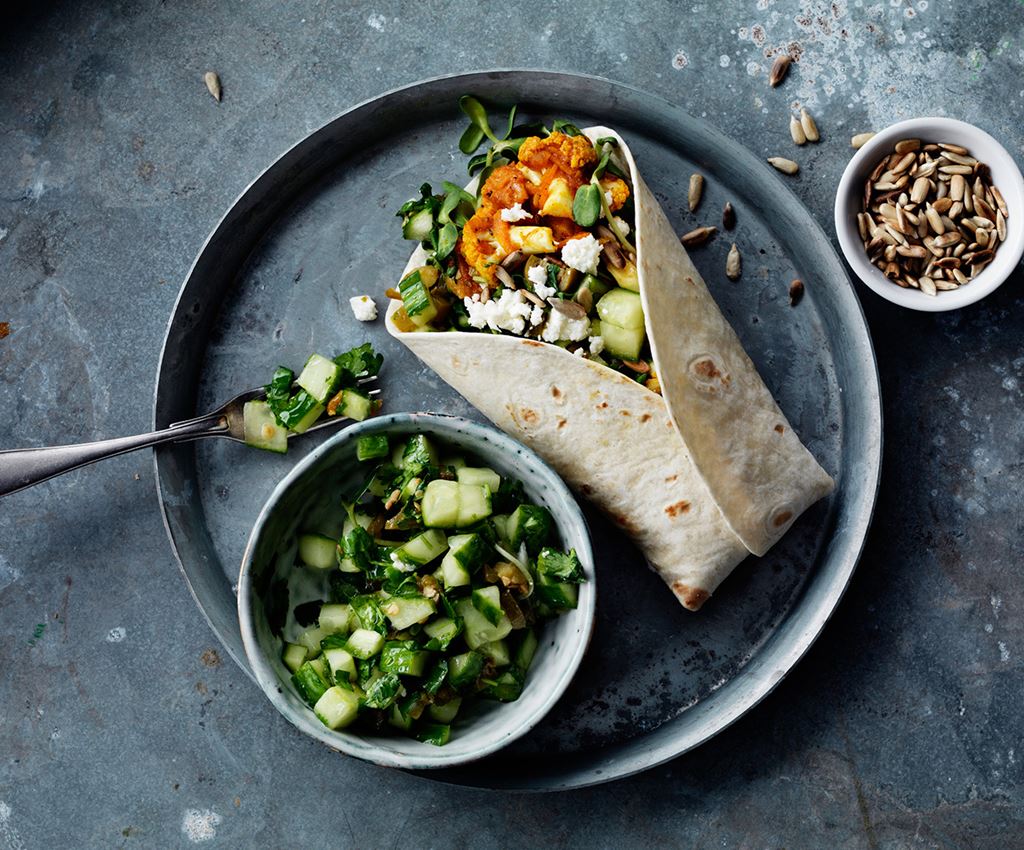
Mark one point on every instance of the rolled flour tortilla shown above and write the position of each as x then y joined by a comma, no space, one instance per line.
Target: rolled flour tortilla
698,478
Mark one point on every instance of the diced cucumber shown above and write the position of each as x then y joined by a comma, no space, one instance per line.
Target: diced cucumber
621,308
371,447
261,429
303,424
441,632
501,526
474,504
624,343
383,478
340,661
368,613
404,611
627,277
453,574
310,682
498,652
595,287
416,298
336,618
337,707
318,551
445,713
526,650
382,690
487,600
529,524
419,453
437,734
399,720
468,550
319,377
464,669
311,638
400,657
418,226
423,548
507,687
480,475
355,404
363,643
478,630
558,594
455,463
294,655
440,506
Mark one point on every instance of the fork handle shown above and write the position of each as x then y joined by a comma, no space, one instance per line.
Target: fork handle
21,468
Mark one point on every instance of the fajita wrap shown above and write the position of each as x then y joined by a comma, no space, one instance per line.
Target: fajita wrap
699,475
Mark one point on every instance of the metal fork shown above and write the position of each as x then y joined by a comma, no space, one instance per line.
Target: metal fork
21,468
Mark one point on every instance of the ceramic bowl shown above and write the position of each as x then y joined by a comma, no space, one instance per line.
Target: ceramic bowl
332,469
1006,177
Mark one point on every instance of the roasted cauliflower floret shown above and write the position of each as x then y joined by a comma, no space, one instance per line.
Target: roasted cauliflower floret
618,189
567,152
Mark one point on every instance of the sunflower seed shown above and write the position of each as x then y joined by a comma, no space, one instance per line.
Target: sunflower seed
911,251
981,205
809,126
927,170
960,277
796,292
943,205
780,67
1001,225
213,84
920,190
890,252
895,234
955,210
698,236
570,309
891,270
959,159
935,220
946,146
955,169
968,200
982,237
786,166
946,285
513,260
861,139
506,279
878,171
728,216
696,191
903,164
536,299
947,239
1000,202
733,264
863,222
957,186
927,285
796,130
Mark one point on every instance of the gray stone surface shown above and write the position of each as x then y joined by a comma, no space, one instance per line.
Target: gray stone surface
120,724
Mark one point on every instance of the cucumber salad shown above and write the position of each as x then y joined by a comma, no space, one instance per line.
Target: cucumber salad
325,387
541,250
430,588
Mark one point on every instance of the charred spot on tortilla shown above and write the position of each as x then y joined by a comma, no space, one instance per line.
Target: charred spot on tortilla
625,413
533,343
645,417
602,406
680,507
781,518
586,489
691,597
529,415
562,422
671,478
779,429
706,375
624,523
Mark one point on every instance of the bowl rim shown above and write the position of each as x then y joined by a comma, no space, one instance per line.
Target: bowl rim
1006,259
432,757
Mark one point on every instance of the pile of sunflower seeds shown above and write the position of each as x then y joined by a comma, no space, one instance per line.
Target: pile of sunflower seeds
931,218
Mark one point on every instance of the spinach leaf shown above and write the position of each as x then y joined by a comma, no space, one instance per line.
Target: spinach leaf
586,206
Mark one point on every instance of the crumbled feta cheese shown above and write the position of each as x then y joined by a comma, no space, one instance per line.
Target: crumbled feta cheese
561,327
608,197
596,344
507,313
515,213
538,276
363,308
621,225
582,254
580,352
537,316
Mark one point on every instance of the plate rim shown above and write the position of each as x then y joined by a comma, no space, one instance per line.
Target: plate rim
801,643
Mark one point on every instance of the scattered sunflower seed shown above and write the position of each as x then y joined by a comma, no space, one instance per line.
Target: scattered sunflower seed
907,145
796,292
728,216
213,84
733,264
786,166
780,67
796,130
696,191
861,139
698,236
810,128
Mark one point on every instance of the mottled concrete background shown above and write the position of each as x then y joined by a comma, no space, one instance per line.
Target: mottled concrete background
120,723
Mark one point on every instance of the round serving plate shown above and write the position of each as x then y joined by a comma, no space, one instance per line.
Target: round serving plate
272,284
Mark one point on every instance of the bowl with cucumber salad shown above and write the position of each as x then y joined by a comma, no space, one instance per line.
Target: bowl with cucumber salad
418,591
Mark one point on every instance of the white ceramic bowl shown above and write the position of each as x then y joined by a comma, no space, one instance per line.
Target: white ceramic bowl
332,469
1006,177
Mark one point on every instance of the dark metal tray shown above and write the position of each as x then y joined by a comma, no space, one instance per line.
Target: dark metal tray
272,284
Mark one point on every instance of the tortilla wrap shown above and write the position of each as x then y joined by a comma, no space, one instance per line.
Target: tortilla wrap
698,478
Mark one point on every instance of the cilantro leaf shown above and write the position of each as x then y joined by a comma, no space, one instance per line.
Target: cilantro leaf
560,566
360,362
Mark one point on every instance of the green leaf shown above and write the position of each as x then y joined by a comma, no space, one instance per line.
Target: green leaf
511,122
446,240
382,692
358,547
279,390
472,137
476,113
369,613
560,125
586,206
560,566
359,362
476,163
